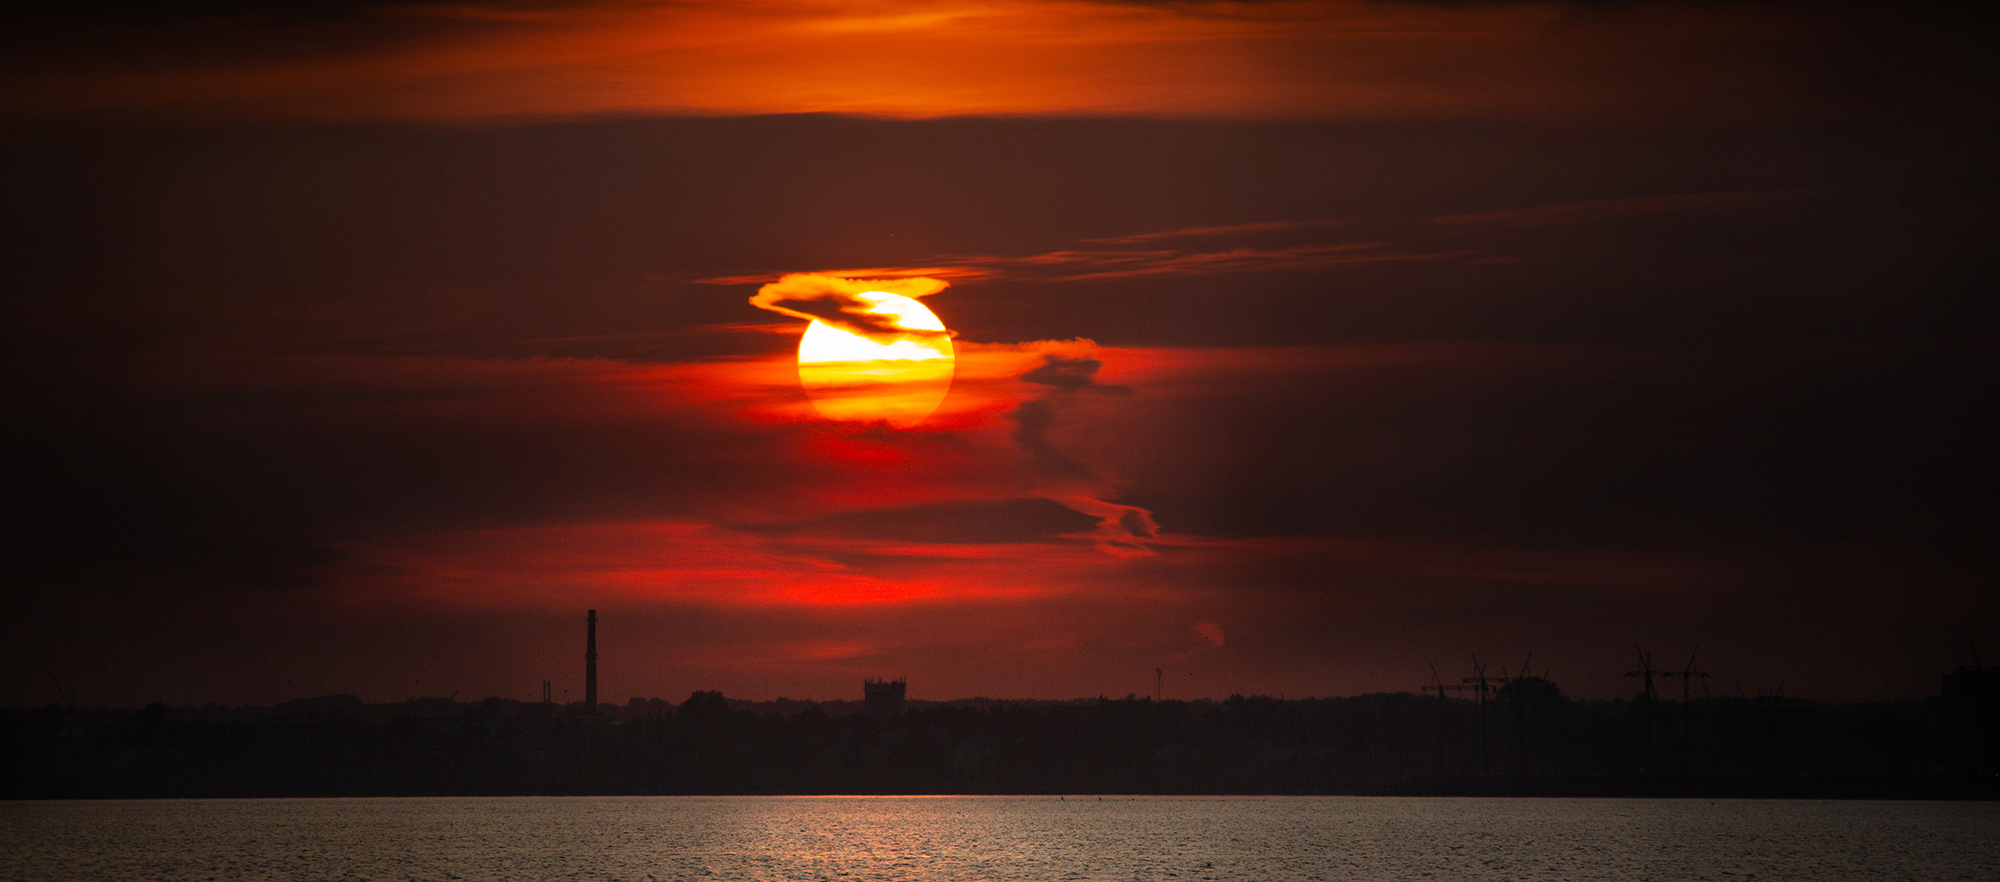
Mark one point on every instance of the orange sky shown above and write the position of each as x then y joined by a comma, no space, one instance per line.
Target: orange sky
1285,59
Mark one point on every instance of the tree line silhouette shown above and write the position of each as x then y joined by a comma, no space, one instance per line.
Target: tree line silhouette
1525,738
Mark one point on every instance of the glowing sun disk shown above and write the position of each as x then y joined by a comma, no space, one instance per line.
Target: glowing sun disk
849,376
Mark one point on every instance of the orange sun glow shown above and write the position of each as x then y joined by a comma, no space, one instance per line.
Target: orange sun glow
900,381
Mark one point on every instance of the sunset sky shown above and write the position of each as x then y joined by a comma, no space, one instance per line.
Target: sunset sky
1299,345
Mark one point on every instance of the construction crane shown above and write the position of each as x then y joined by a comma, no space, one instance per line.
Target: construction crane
1652,696
1439,686
1985,709
1687,675
67,697
1522,696
1479,682
1485,683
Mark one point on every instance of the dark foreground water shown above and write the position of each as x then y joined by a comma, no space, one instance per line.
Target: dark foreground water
949,838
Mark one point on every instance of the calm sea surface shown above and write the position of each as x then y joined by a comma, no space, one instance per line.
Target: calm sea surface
997,838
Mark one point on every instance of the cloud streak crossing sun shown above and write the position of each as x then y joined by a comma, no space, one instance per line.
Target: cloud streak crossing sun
868,354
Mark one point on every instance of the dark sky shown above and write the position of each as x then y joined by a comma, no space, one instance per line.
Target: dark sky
1301,345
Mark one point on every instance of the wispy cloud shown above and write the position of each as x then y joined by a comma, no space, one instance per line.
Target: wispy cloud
1209,232
1110,264
1102,267
1633,206
837,300
1291,59
681,563
942,272
1208,636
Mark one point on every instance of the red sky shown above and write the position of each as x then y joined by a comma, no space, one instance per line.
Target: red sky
1286,59
1301,345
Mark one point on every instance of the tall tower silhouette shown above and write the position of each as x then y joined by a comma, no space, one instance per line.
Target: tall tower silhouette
590,666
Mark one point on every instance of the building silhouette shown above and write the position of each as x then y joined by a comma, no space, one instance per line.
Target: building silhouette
883,697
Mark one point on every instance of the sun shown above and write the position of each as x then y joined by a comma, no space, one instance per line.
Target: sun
900,381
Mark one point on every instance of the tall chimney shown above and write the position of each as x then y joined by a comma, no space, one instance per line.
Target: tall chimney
590,667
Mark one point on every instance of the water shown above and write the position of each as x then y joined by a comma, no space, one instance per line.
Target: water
1039,838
